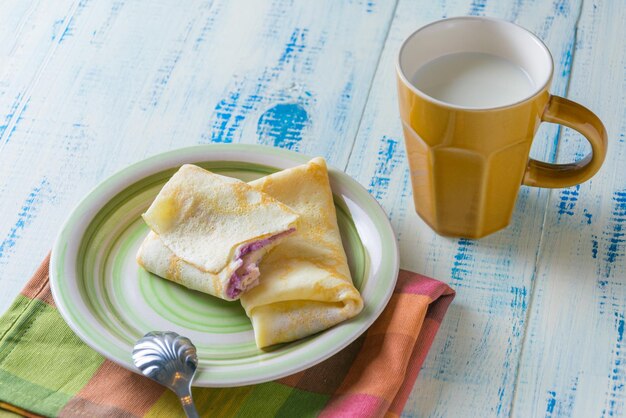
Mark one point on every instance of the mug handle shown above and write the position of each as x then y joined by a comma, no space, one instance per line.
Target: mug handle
575,116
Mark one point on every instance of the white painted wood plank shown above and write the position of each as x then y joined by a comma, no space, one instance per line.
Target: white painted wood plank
471,369
29,32
128,79
574,357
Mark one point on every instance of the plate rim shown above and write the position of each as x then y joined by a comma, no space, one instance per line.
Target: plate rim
202,153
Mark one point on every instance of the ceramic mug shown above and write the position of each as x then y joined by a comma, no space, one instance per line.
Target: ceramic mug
467,163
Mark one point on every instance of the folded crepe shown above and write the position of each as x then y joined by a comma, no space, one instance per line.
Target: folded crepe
209,232
305,284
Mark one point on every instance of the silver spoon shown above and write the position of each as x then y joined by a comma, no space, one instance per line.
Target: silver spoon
171,360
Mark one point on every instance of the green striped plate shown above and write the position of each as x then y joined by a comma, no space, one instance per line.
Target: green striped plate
110,302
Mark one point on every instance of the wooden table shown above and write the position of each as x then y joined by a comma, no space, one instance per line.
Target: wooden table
537,328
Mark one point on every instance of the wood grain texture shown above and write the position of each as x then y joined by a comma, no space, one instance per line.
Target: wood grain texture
90,87
87,88
574,357
29,35
472,368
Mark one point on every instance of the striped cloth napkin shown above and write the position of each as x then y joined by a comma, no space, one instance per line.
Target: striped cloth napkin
45,370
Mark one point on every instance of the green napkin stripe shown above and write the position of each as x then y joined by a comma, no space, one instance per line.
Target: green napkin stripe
41,337
12,320
265,399
220,402
302,404
31,397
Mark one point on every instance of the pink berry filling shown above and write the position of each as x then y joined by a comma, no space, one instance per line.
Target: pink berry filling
247,274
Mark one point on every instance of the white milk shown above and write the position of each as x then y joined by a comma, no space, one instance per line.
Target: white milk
473,79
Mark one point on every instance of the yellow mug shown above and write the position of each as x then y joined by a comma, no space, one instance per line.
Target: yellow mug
468,162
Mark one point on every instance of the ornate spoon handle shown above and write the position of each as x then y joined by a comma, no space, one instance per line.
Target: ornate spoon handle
187,402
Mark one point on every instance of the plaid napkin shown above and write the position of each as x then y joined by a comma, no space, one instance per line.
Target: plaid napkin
46,370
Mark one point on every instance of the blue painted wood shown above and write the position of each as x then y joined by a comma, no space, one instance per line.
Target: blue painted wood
89,87
574,356
29,36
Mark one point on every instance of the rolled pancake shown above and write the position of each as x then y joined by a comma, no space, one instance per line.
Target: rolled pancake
209,232
305,284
